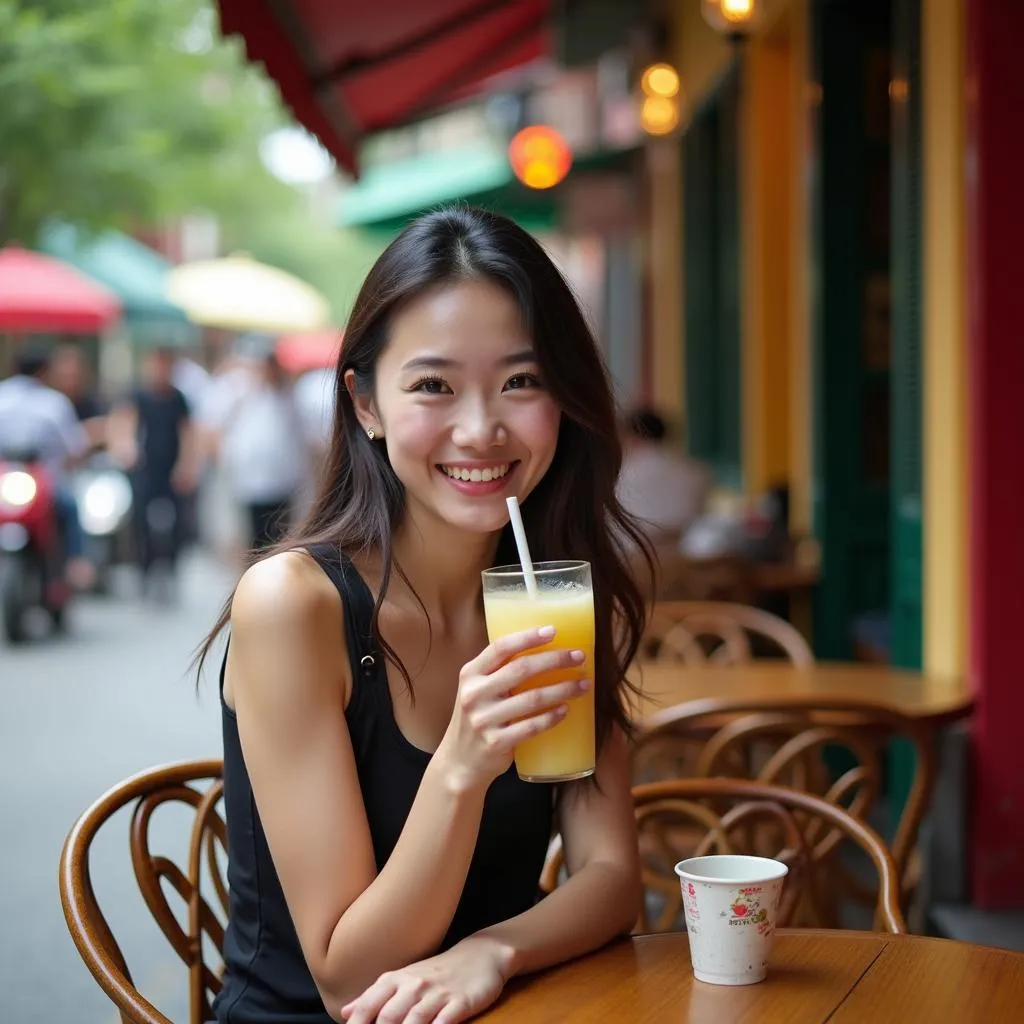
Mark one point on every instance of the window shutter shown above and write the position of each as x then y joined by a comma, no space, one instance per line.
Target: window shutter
907,283
712,282
701,282
729,284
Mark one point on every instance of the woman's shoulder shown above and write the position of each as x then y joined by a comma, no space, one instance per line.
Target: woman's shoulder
287,624
285,591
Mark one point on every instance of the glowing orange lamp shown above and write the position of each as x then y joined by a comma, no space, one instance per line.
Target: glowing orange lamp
539,156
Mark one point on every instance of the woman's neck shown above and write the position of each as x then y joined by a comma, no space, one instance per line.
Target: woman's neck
443,567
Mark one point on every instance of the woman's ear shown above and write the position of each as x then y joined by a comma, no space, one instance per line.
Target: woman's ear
362,402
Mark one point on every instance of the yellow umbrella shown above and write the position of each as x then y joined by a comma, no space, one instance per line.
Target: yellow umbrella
237,293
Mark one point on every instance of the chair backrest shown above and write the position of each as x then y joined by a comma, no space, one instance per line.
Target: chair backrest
742,816
197,784
719,633
783,740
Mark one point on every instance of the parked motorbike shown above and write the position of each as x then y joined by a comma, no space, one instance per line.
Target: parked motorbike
32,557
105,508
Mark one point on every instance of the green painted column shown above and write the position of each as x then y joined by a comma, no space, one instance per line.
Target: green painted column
906,601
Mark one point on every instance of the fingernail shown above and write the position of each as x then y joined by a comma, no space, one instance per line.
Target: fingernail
585,684
546,631
578,656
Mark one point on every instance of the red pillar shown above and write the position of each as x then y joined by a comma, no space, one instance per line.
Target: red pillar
995,231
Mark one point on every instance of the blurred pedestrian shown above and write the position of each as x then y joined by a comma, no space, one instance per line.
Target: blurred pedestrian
314,395
70,374
192,380
660,485
151,433
262,444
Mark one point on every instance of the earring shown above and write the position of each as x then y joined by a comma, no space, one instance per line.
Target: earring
370,434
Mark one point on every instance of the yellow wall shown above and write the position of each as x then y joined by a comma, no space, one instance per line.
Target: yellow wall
775,231
766,174
945,485
702,55
665,238
801,420
776,403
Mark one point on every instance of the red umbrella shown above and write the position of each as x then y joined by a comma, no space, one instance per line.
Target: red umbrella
39,293
315,350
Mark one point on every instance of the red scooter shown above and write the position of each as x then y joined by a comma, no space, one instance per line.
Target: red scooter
32,558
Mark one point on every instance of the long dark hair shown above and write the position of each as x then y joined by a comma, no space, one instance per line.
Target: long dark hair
572,513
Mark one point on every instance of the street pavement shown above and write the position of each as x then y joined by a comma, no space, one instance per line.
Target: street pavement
78,714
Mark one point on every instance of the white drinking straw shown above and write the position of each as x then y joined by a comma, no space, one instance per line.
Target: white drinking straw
516,518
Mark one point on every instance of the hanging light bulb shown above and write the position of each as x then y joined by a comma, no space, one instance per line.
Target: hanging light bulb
659,115
733,17
659,108
660,80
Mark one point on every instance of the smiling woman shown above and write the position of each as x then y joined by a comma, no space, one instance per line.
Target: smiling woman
459,396
384,854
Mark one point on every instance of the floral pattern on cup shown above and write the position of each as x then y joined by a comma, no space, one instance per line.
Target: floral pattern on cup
690,906
745,909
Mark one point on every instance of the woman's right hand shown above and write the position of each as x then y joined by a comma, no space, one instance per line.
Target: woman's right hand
489,720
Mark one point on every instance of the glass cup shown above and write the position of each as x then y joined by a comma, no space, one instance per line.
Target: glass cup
731,905
565,600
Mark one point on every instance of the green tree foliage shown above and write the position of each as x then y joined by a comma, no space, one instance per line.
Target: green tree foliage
115,113
121,110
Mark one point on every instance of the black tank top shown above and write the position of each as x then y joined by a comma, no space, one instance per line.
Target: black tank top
266,980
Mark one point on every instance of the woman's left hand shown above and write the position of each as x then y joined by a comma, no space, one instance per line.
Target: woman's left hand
450,987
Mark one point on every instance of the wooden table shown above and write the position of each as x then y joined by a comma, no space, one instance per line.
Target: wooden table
664,685
814,976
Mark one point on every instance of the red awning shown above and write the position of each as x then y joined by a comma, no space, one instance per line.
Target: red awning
41,294
348,68
317,350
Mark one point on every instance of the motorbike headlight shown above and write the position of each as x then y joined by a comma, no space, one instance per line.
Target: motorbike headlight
104,503
17,488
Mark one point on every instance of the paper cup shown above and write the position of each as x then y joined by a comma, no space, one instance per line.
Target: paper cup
731,905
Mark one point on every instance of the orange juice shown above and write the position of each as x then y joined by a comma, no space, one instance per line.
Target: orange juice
565,751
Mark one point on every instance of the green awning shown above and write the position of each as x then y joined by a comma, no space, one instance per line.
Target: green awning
132,270
388,195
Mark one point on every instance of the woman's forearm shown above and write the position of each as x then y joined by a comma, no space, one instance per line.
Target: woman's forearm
599,903
403,915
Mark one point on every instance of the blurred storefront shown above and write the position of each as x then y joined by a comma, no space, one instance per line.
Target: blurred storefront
423,101
588,213
837,165
786,270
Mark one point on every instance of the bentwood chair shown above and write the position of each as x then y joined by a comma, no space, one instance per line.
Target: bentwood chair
196,785
740,816
720,633
835,749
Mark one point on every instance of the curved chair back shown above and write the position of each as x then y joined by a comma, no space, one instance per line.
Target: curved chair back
197,784
741,816
783,740
719,633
